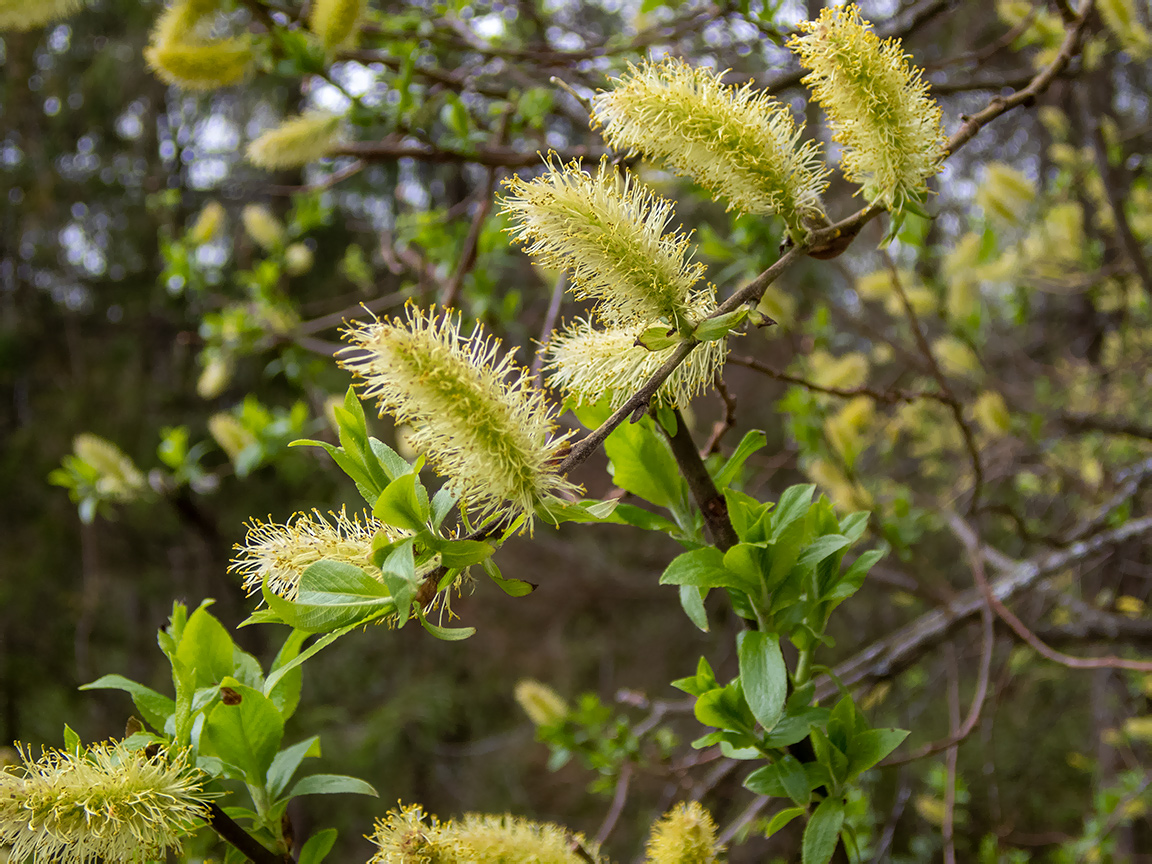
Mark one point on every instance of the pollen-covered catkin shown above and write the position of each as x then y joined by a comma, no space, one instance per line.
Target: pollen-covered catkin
476,414
736,142
296,141
608,232
879,106
107,804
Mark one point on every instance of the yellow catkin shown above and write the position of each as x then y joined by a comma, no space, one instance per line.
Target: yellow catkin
685,835
336,22
296,141
26,14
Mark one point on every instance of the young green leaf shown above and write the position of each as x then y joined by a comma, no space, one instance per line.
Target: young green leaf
332,784
763,675
245,733
317,847
286,762
154,707
822,831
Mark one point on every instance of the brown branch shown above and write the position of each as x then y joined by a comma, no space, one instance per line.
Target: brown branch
619,797
350,170
1003,104
1109,425
888,397
232,833
963,530
900,649
711,503
949,824
720,427
962,731
638,403
471,243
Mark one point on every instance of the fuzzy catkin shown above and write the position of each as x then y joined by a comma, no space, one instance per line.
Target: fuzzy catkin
26,14
296,141
106,804
477,415
738,143
879,106
609,233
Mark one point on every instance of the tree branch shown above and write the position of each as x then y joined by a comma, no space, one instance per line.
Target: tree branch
890,655
711,503
232,833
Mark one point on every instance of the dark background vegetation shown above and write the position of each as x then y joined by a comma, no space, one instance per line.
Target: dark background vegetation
101,164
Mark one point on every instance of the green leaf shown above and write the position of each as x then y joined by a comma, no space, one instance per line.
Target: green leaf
763,675
702,568
285,694
399,571
700,683
317,847
638,517
719,326
154,707
822,832
725,708
784,777
658,337
511,587
642,464
331,595
749,444
400,505
287,761
793,505
446,634
852,578
868,748
332,784
458,554
316,647
246,734
692,602
853,525
821,548
206,647
750,563
393,463
72,742
781,819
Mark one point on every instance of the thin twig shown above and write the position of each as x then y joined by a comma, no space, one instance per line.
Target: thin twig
720,427
1002,104
961,731
549,327
617,807
964,531
889,397
949,399
898,650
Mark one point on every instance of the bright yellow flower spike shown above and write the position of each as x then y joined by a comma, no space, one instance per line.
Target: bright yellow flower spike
737,143
296,141
879,106
26,14
477,415
336,22
609,233
685,835
281,553
108,804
